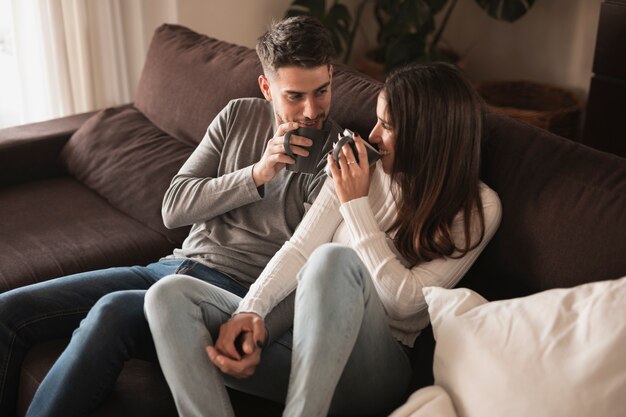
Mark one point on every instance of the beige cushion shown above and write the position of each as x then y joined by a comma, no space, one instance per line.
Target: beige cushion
432,401
561,352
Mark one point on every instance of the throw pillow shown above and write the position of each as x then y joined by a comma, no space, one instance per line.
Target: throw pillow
432,401
560,352
123,157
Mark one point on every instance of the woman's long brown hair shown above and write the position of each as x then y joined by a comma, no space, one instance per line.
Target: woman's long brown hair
437,118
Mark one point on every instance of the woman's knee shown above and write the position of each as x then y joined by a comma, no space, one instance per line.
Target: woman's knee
331,262
168,293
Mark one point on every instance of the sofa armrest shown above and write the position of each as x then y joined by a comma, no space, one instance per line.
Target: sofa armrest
30,152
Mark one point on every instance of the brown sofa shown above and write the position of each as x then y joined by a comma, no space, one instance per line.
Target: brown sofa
84,192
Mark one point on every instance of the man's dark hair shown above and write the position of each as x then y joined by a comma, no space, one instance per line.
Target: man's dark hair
299,41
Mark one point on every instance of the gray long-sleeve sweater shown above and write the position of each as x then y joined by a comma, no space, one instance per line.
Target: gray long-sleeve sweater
235,228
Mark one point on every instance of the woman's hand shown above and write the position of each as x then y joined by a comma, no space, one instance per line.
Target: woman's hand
353,179
237,350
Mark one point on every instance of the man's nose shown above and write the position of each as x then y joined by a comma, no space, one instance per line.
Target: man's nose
310,109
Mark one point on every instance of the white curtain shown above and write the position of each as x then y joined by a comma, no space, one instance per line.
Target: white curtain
80,55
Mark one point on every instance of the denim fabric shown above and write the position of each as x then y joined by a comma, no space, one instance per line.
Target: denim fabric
54,309
344,358
185,316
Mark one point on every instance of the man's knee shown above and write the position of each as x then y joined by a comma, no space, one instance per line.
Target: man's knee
115,312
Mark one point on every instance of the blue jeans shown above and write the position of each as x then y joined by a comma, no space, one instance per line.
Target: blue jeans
343,359
113,331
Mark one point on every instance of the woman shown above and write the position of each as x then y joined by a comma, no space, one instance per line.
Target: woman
419,217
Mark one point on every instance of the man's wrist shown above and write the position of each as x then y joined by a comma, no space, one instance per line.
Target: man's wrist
256,177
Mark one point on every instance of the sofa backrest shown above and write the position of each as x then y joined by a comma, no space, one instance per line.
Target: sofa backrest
564,205
564,212
189,77
128,155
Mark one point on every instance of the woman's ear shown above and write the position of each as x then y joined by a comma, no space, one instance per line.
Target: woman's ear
264,84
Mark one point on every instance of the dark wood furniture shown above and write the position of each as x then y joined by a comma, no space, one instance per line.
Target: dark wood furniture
605,125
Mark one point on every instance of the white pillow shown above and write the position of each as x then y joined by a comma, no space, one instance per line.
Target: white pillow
561,352
431,401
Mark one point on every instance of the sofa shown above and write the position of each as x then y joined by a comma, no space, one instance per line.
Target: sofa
84,192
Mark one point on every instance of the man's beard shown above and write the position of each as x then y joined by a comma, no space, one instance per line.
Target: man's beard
318,122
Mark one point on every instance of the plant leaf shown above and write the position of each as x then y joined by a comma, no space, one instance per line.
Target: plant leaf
508,10
408,48
436,5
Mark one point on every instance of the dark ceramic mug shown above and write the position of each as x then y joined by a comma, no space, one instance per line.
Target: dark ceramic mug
348,138
306,164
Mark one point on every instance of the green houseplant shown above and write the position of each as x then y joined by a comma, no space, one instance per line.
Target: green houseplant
336,18
407,30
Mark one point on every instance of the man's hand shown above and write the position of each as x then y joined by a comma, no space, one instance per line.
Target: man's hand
237,351
352,179
274,158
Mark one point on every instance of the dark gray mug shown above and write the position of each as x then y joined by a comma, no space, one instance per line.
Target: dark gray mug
348,138
309,163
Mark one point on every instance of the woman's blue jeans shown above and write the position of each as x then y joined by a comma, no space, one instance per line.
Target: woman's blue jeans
114,331
343,360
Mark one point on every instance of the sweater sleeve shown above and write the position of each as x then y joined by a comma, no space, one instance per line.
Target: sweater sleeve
197,193
399,287
278,279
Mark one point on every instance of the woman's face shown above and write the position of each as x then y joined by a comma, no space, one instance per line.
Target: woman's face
383,134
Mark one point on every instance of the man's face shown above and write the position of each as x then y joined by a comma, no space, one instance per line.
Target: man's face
299,95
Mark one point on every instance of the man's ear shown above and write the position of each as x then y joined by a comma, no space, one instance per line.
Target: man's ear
264,83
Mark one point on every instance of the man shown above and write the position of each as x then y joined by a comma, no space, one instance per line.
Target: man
236,193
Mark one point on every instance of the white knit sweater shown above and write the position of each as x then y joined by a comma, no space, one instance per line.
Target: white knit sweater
360,224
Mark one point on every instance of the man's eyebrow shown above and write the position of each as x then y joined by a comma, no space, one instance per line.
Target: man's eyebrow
321,87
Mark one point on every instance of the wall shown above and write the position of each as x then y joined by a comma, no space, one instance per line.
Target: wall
553,43
236,21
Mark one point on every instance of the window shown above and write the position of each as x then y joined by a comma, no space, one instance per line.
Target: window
10,96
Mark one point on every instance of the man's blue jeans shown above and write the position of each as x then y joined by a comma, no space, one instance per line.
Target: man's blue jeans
114,331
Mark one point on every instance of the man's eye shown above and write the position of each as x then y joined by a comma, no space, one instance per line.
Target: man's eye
322,92
294,97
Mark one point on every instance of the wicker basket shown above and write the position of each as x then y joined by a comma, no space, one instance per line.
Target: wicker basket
545,106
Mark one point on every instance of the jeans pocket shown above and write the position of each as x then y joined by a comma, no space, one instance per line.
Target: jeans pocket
186,266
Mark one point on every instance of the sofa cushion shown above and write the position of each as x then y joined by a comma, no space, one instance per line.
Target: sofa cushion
123,157
563,212
57,227
354,100
555,353
188,78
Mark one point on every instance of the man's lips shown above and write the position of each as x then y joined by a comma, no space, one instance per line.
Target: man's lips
311,123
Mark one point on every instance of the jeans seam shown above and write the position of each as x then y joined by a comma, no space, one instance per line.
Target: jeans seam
200,303
186,266
6,368
48,316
